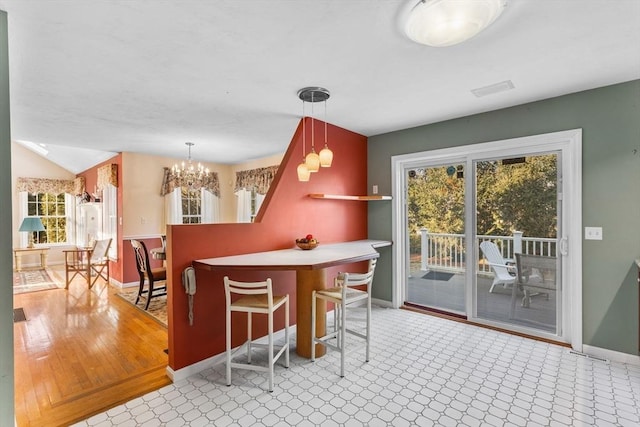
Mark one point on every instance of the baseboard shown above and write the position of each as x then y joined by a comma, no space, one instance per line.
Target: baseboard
381,303
612,355
187,371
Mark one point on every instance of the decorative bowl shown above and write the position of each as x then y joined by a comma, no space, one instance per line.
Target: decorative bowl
306,246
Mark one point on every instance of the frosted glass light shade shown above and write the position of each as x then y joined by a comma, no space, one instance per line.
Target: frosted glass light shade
303,172
326,157
442,23
313,161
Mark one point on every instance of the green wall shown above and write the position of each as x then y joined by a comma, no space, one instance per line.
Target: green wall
6,275
610,120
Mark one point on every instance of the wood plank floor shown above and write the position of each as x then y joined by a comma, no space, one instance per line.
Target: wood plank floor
81,352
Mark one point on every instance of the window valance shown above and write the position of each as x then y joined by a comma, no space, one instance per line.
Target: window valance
259,178
170,182
46,185
79,185
107,174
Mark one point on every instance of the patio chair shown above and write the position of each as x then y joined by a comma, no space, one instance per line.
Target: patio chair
503,269
88,263
534,272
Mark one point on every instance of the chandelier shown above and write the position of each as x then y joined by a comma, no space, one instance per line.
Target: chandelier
189,175
312,161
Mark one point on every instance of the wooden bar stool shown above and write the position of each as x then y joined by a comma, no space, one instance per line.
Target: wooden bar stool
349,289
257,298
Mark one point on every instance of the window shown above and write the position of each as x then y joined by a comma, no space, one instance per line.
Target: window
191,206
52,209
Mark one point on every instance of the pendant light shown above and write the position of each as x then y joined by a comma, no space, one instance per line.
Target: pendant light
303,170
313,95
326,155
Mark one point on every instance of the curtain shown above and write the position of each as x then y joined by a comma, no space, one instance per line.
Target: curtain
259,178
259,200
22,211
173,206
244,205
210,204
46,185
107,175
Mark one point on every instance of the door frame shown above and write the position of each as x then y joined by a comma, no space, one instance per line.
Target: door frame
569,142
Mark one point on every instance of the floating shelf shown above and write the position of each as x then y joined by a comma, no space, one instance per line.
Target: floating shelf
342,197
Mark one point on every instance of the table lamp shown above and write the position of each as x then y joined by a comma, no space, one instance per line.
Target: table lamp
31,224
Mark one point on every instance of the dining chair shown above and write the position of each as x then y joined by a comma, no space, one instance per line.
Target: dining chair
349,289
148,274
88,263
256,297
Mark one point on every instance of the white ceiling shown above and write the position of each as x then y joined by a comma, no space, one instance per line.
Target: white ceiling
146,76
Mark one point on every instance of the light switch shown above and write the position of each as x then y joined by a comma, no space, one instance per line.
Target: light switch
593,233
375,189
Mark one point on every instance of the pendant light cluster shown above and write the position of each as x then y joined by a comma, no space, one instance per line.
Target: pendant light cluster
312,162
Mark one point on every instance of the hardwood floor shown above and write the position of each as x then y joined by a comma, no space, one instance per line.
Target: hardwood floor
81,352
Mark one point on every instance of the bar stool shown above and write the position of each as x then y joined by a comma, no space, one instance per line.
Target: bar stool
257,298
344,294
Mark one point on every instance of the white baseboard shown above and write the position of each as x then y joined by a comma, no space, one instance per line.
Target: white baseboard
381,303
200,366
612,355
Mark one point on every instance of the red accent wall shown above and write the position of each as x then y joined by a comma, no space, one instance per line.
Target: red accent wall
287,213
91,179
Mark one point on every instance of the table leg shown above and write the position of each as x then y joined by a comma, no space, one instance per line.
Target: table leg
43,259
306,282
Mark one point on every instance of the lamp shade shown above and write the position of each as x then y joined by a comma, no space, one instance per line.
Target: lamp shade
31,223
442,23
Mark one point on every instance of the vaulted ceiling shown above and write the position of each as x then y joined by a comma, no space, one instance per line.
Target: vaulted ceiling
146,76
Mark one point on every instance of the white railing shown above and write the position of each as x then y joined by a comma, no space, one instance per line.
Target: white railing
445,251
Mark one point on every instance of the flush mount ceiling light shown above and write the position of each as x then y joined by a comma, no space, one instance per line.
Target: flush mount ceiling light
441,23
313,161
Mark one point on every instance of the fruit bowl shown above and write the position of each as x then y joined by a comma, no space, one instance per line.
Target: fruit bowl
306,245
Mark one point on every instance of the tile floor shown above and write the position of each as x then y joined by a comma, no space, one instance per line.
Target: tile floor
424,371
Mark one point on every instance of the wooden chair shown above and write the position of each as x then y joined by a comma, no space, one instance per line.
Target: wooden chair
148,274
257,298
88,263
349,289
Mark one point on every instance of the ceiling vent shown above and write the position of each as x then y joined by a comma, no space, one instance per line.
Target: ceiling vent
494,88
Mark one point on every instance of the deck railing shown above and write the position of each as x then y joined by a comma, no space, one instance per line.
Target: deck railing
446,251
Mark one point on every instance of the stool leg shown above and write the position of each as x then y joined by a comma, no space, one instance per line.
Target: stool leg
342,335
228,345
249,337
270,351
313,325
368,325
286,331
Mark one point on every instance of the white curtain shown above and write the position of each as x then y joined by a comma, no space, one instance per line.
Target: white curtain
173,207
210,204
70,207
259,200
244,205
22,200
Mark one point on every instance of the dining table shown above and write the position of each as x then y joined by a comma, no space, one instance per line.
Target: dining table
311,274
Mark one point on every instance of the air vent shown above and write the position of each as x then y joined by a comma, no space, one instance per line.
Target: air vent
494,88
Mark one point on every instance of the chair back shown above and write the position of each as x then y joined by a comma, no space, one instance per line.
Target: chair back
496,260
358,279
142,257
100,251
248,288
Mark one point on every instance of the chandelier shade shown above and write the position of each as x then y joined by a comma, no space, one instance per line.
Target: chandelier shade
313,161
442,23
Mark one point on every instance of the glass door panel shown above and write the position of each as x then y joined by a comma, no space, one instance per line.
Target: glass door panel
518,216
436,237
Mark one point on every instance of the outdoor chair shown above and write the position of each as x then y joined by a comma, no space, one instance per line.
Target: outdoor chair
534,272
503,269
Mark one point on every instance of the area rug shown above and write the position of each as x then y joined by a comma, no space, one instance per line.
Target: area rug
33,280
157,307
438,275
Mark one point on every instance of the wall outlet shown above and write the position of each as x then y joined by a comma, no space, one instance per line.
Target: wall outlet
593,233
375,189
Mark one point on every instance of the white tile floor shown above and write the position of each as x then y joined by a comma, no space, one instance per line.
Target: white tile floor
424,371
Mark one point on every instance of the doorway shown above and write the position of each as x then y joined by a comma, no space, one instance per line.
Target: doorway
513,196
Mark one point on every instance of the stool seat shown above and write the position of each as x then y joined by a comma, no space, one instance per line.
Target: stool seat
258,301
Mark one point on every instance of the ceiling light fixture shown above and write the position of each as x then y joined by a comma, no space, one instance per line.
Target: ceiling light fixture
303,170
313,161
442,23
190,176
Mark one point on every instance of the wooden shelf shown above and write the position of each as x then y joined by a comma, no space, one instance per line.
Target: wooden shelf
344,197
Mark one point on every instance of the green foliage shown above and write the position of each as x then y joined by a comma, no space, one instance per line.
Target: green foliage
520,196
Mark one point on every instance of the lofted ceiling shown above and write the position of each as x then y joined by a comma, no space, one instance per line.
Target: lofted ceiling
92,78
